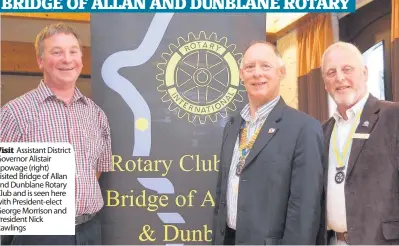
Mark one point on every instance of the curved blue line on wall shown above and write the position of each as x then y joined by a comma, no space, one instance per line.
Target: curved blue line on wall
171,218
160,185
124,87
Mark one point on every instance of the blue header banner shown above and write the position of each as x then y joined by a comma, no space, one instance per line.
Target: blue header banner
186,6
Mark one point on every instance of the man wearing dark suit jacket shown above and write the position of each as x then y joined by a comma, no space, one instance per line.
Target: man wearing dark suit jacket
271,175
362,142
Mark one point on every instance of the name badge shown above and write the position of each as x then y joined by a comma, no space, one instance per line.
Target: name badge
235,189
361,135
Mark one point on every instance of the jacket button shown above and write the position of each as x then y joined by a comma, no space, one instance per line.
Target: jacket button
222,231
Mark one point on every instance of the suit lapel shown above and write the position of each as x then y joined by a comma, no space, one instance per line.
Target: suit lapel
327,133
370,115
269,129
231,138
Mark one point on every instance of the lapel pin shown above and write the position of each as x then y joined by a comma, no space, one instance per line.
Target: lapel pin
271,130
366,123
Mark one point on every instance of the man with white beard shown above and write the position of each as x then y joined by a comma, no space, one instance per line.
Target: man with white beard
361,187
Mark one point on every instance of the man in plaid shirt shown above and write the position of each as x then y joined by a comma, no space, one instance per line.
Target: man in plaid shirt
58,112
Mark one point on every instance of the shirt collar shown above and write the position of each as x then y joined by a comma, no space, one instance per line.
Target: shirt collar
44,93
354,110
262,112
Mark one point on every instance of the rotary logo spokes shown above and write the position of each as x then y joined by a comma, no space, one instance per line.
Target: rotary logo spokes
202,77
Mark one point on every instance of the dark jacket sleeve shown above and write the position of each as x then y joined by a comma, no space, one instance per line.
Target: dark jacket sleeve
306,186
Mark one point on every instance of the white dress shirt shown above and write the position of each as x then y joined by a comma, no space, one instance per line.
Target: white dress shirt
336,210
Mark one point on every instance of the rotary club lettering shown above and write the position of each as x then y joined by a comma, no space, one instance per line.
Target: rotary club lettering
152,203
187,163
173,233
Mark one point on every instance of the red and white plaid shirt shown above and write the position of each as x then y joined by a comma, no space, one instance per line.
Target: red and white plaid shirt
39,116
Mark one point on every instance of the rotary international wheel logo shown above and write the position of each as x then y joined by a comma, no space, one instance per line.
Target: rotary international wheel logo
200,77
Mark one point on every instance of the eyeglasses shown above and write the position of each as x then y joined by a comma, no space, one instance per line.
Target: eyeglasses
251,67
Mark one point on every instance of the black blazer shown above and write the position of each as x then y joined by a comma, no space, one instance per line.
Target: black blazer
371,184
279,199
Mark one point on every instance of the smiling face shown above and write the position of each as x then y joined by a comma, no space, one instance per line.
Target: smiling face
261,73
345,77
61,60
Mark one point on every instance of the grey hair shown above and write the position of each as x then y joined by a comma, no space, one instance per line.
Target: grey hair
343,45
51,30
274,48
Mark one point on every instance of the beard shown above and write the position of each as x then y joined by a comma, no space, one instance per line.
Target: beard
347,99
